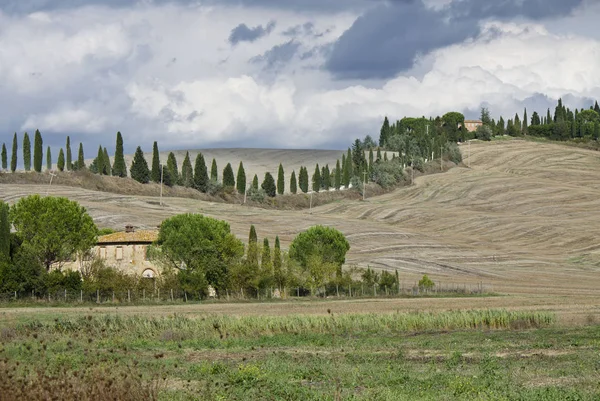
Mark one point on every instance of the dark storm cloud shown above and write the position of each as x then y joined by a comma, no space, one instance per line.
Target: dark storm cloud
242,33
387,38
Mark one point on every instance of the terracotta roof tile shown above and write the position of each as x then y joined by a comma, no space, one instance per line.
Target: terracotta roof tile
124,237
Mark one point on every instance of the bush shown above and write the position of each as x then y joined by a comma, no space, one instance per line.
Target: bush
425,283
453,153
257,194
387,174
213,187
483,133
356,184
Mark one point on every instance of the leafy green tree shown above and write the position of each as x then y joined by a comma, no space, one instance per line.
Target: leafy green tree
247,273
303,179
255,182
155,172
97,165
485,116
202,246
200,174
426,283
4,157
326,178
172,167
80,158
385,132
241,179
278,274
268,185
370,277
4,233
60,164
524,125
187,172
53,229
228,178
167,178
107,169
139,167
348,171
26,152
293,183
48,159
266,265
388,280
452,122
338,176
280,180
327,244
69,156
316,179
13,159
119,169
214,173
38,151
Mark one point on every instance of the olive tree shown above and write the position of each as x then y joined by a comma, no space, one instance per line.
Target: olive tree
202,248
53,229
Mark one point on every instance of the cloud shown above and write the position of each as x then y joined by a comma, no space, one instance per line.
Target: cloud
278,55
242,33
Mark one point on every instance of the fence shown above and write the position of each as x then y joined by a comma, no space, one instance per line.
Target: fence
166,295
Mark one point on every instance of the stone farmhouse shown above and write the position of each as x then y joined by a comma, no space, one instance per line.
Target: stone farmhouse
472,125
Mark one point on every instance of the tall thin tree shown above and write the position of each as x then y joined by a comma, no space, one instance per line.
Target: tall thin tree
107,168
4,157
38,151
69,155
139,167
119,169
13,159
214,173
338,176
228,178
293,183
187,172
241,179
155,173
172,167
60,163
26,152
80,158
200,173
316,179
48,159
280,180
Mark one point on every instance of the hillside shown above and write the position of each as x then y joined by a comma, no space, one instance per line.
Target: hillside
523,218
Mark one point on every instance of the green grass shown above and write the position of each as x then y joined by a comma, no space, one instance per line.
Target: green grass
479,355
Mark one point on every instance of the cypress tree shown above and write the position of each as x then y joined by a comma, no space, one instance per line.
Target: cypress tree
385,132
200,174
4,232
252,253
338,176
26,152
241,179
187,173
293,183
303,179
80,158
525,129
347,173
269,185
228,177
60,163
107,169
316,179
548,117
327,178
155,173
172,167
69,156
98,164
277,264
214,174
255,182
266,264
597,108
378,155
38,151
13,158
48,159
370,159
280,180
119,169
139,167
4,157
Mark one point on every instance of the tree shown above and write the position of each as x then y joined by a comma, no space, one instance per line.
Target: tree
316,179
48,159
200,173
53,229
280,180
80,158
241,179
13,159
248,274
119,169
452,122
320,251
97,165
228,177
266,265
4,232
371,156
172,167
278,275
348,171
200,247
139,167
485,116
166,176
38,151
187,173
69,157
524,129
26,152
293,183
214,174
107,169
255,182
326,178
338,176
425,283
4,157
384,133
269,186
303,179
597,108
155,173
60,164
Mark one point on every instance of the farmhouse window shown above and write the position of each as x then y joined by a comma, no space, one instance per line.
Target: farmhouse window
103,252
119,253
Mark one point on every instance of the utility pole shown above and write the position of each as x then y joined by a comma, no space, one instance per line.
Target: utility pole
310,207
162,169
246,194
469,153
441,158
364,184
52,175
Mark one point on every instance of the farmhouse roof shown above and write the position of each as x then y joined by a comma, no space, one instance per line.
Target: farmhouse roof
123,237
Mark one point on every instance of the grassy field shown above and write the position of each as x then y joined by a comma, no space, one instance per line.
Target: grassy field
480,354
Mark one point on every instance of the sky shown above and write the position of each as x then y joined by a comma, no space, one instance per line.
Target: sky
282,73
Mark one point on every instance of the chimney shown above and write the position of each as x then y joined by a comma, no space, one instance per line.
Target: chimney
129,228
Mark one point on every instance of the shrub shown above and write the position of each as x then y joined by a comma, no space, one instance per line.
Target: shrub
453,153
426,283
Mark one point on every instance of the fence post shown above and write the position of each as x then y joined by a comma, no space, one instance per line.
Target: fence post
97,296
129,296
81,296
